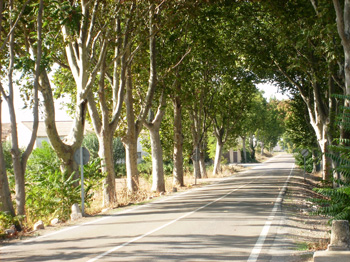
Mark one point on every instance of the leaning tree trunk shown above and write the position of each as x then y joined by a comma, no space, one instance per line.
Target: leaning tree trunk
262,148
178,171
217,162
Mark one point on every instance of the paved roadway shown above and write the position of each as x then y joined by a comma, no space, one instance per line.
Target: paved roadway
233,220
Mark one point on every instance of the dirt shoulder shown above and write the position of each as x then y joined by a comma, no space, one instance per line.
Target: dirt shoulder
300,232
305,231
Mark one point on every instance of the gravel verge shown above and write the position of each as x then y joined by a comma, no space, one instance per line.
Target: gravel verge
301,231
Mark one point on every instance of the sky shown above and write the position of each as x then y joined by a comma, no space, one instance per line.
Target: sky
271,91
61,115
27,114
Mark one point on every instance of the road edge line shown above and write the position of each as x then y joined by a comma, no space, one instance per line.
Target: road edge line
264,232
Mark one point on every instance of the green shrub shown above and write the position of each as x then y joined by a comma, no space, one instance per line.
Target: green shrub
145,170
43,160
299,160
249,156
51,195
336,201
92,144
120,170
168,168
6,221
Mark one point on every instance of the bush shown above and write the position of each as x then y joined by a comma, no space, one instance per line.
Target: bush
145,170
168,168
120,170
92,144
6,221
249,157
51,193
299,160
336,201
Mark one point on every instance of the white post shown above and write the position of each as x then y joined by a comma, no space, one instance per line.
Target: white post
82,180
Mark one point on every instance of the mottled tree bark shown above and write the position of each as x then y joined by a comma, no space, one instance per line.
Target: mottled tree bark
178,144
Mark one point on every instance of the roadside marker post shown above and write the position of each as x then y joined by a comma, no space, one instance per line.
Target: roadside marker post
82,157
304,153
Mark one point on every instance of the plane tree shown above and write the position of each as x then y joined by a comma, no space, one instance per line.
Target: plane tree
296,47
272,126
74,42
18,50
253,121
105,102
232,99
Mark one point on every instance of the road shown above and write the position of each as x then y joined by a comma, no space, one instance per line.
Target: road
235,219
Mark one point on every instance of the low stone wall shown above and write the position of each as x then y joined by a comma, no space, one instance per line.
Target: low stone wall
339,248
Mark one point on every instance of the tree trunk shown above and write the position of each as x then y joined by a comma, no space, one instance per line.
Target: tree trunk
195,160
326,161
131,164
135,127
314,160
158,184
252,147
5,193
19,159
130,140
15,151
202,162
19,183
217,162
178,171
244,149
106,154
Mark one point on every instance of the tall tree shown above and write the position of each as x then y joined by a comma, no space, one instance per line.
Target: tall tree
309,43
105,113
232,100
134,124
82,55
19,158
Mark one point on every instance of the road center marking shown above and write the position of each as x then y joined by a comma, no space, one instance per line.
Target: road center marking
260,242
169,223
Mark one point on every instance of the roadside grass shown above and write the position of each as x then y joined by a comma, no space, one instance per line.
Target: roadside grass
302,246
145,194
321,244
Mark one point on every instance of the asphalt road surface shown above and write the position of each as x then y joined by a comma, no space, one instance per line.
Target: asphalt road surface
235,219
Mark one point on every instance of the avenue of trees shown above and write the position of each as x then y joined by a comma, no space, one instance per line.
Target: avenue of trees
181,71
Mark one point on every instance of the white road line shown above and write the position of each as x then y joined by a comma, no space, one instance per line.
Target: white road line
260,242
167,224
126,211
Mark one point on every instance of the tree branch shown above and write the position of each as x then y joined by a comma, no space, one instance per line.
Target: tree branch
14,25
92,22
340,20
30,146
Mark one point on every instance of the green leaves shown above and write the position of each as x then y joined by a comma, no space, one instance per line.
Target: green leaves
51,196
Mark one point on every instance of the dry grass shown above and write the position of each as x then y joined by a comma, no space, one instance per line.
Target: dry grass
125,197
